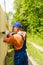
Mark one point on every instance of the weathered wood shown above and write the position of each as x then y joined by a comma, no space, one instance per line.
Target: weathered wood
3,20
3,27
3,51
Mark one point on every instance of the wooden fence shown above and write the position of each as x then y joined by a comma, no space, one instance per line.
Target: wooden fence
3,27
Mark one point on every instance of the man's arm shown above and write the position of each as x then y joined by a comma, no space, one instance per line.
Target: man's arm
8,39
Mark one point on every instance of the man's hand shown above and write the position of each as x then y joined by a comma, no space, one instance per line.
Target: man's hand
7,33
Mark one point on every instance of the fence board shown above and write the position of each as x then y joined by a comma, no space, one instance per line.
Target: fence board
3,27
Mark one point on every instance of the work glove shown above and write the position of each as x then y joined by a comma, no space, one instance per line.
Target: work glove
7,33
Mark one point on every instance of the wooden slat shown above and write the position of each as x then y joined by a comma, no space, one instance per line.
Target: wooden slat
3,27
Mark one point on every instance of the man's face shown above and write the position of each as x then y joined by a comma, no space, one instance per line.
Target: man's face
15,29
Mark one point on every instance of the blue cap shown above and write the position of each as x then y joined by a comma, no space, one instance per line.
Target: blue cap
17,24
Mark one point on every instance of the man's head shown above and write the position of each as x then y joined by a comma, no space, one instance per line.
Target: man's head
17,26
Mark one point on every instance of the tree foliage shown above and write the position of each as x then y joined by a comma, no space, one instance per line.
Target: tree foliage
30,14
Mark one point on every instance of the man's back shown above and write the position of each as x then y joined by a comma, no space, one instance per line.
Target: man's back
17,40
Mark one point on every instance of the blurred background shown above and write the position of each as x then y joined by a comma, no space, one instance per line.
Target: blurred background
30,14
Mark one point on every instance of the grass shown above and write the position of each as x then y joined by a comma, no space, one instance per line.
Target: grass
10,58
35,38
35,54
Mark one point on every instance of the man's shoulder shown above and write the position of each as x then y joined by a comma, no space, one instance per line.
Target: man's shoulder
16,35
24,32
20,33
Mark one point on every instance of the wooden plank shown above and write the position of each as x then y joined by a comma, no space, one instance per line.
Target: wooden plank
31,61
3,21
3,51
3,27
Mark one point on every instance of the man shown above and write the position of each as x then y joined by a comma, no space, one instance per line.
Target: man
18,40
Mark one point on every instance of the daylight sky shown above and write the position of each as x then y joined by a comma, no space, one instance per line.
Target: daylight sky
9,5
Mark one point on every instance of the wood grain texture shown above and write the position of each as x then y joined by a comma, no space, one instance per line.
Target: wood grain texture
3,27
